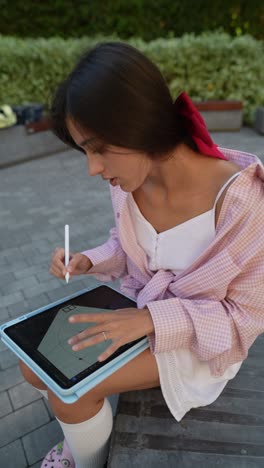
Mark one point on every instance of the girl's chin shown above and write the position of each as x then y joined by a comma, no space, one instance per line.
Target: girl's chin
125,186
129,187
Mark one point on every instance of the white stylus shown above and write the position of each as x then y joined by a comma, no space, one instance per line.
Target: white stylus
67,251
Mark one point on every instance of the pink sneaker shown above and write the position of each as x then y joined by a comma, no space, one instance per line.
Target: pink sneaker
59,457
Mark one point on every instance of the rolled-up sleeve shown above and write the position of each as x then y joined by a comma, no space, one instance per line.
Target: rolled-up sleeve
108,259
208,328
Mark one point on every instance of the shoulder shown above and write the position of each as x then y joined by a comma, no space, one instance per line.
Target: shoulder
227,179
244,196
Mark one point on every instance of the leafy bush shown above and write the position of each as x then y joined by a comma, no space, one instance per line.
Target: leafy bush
143,18
210,66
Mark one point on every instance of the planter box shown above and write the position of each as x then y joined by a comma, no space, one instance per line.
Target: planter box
221,116
17,144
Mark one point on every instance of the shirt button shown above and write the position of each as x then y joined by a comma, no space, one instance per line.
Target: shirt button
118,215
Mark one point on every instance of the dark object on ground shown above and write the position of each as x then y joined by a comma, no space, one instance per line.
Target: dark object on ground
259,121
28,113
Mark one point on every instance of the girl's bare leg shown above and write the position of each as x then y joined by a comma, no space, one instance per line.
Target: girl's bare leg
87,424
140,373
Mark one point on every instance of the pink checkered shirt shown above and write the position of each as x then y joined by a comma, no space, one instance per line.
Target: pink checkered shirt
215,307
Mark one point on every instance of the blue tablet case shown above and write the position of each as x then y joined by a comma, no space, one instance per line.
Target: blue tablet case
74,393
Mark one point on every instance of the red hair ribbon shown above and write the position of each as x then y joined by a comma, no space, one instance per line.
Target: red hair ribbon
195,126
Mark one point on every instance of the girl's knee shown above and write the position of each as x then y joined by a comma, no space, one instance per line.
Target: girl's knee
84,408
30,377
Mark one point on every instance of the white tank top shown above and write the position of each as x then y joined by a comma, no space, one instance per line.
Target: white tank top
178,247
185,381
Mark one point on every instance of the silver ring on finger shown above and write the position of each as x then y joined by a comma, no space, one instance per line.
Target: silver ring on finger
104,334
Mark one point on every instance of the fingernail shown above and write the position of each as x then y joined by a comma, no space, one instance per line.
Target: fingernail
71,319
75,348
71,340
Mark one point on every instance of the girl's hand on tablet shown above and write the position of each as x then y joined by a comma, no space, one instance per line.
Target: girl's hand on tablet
79,264
120,326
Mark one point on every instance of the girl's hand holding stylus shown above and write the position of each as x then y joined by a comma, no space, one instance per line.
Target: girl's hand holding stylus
79,264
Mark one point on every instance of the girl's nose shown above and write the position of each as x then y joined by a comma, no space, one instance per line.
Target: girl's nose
95,166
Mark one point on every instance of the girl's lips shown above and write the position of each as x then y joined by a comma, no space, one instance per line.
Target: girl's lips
113,181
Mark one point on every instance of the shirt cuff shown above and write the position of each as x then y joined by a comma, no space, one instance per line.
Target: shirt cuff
173,327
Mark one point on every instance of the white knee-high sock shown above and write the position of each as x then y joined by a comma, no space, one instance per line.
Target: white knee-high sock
89,440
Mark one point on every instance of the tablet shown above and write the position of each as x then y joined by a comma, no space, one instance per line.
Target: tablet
40,340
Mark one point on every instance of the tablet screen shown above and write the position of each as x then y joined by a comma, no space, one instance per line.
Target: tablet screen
44,336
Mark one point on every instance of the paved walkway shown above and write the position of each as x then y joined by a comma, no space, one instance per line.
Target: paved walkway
37,199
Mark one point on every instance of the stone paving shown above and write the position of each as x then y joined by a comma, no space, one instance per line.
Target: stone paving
37,199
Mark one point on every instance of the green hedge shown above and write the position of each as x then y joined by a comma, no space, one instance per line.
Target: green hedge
147,19
210,66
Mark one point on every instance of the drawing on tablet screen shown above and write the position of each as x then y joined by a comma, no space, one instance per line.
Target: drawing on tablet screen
54,346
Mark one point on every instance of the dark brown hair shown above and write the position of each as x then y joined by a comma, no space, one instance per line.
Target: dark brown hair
120,96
